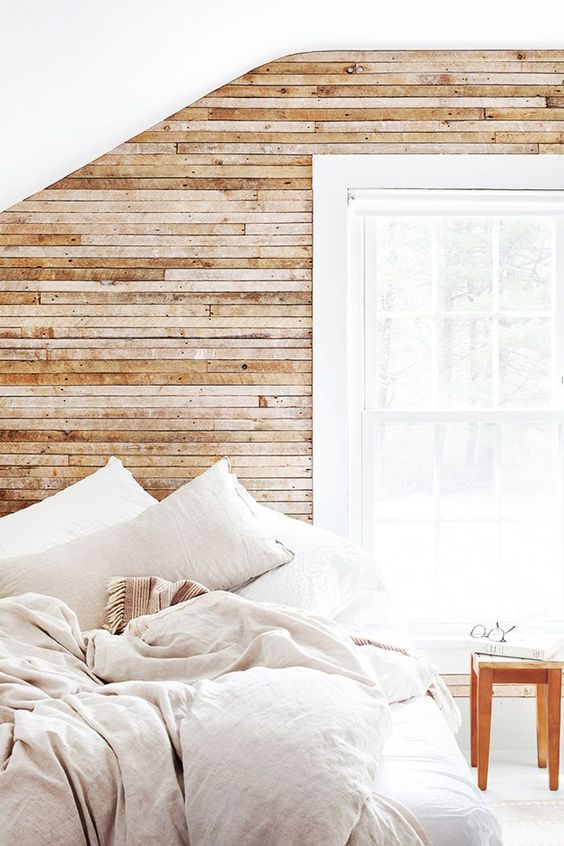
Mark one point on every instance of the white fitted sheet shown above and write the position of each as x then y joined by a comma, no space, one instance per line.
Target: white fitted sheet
422,767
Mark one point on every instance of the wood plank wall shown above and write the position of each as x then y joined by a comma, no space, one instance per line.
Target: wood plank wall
156,304
459,686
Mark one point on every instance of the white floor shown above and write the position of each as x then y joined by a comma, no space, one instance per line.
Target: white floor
515,776
513,772
530,813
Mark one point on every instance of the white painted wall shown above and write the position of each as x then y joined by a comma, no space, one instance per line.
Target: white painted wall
78,77
513,727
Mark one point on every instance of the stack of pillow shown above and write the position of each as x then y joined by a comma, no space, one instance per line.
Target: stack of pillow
73,544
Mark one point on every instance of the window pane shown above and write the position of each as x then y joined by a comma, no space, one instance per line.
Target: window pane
467,571
465,362
403,263
464,514
525,362
525,263
403,464
529,554
465,249
529,470
404,351
466,471
408,562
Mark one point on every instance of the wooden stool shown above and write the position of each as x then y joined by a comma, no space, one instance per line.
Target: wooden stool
487,670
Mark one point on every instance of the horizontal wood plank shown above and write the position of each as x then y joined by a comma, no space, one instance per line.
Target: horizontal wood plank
156,303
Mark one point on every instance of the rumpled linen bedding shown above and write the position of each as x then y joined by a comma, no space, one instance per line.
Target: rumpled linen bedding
216,722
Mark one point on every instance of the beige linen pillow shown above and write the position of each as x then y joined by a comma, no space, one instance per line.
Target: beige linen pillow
204,531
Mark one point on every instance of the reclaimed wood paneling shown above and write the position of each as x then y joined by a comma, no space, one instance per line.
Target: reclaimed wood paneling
459,686
156,304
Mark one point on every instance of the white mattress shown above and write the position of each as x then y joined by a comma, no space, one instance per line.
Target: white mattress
423,768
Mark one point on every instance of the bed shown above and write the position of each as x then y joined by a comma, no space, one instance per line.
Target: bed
423,768
134,722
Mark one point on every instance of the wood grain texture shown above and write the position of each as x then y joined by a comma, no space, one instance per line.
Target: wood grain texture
554,709
483,728
542,724
460,686
156,303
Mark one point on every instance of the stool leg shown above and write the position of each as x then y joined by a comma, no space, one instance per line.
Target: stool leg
554,709
485,679
473,715
542,725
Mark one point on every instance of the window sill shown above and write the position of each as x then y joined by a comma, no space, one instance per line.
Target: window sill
450,651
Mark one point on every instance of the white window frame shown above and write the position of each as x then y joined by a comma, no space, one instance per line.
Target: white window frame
338,307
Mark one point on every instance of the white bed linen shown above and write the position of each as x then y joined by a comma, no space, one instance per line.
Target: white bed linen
328,575
273,719
423,768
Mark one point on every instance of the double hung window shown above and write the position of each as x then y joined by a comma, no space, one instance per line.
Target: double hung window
461,402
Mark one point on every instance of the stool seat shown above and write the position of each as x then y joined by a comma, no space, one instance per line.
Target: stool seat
487,670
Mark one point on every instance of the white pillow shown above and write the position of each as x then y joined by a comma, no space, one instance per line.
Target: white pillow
325,575
204,531
370,608
328,575
106,497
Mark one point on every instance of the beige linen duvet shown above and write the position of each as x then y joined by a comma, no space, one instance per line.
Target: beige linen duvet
217,722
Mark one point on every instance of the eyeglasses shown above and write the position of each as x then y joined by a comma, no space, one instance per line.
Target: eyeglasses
496,633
